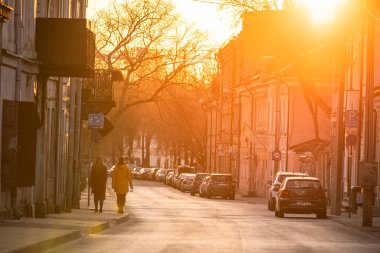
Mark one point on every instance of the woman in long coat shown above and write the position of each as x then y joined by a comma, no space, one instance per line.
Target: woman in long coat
98,182
121,182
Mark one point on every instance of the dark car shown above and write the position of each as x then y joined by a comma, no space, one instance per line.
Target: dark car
197,182
218,185
301,195
273,189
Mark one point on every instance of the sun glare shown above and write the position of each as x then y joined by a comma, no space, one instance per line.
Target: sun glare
323,11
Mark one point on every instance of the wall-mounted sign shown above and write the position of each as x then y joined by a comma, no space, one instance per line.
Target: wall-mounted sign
96,120
351,119
368,174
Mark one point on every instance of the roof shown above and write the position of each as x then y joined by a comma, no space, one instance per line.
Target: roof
313,145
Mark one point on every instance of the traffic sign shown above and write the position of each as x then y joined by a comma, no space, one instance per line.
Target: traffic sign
351,119
351,139
96,120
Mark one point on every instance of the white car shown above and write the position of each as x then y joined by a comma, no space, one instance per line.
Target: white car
273,189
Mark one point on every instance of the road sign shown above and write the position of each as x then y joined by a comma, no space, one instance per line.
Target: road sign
351,119
96,120
351,139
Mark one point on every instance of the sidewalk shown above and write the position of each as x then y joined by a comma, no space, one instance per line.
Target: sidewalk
36,235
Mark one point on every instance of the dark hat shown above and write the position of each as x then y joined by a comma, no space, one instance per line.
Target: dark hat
121,160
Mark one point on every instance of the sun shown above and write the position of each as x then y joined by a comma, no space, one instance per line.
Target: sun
323,11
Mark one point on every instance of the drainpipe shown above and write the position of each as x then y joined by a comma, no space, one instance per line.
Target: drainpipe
77,134
16,212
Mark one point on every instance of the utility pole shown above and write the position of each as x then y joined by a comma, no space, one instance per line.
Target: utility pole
277,136
369,121
337,161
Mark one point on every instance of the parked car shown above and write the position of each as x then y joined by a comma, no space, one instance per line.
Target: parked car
135,172
169,178
301,195
273,188
167,174
152,174
160,175
181,169
180,179
202,186
186,182
144,174
218,185
184,169
197,182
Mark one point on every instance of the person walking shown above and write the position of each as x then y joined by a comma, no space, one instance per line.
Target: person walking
121,182
98,181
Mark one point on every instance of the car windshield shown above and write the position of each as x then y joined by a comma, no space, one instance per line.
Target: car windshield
222,178
303,184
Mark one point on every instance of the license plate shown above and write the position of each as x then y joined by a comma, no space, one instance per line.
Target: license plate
222,184
302,203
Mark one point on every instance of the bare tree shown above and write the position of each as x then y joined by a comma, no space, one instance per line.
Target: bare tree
150,45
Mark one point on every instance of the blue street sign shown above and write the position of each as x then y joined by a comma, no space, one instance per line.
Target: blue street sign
96,120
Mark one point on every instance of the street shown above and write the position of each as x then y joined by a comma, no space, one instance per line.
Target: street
163,219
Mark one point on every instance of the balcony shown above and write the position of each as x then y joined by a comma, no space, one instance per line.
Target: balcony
65,47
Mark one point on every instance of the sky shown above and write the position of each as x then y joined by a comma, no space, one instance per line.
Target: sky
205,15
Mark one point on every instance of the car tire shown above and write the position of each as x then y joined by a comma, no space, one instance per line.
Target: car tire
225,197
192,193
272,204
275,213
281,214
321,215
182,190
232,196
208,195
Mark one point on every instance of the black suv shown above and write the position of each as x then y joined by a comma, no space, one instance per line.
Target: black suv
218,185
197,182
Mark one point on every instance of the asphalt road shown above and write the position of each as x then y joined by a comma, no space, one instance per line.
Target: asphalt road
163,219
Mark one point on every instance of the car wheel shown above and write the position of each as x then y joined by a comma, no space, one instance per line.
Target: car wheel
276,213
192,193
321,215
232,196
280,213
272,205
225,197
269,205
182,190
208,195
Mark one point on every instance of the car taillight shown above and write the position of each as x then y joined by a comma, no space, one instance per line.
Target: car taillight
284,193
